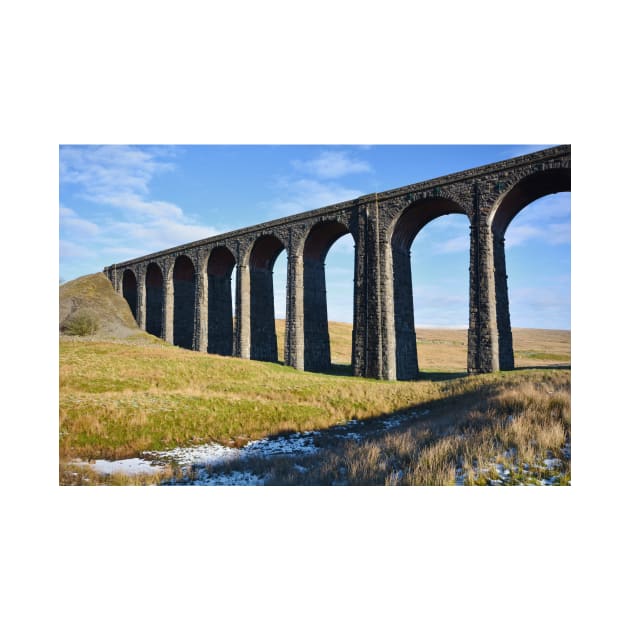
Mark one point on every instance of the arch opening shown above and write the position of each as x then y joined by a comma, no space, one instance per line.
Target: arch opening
155,300
263,339
220,314
130,291
406,231
526,191
184,289
531,239
321,239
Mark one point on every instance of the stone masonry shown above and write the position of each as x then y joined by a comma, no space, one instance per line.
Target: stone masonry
183,294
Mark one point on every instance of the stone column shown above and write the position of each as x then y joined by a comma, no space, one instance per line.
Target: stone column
200,334
294,340
406,348
388,314
373,331
504,328
242,308
169,303
117,281
483,338
141,304
360,290
367,340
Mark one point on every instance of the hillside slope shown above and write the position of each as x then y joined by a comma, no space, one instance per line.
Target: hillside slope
93,296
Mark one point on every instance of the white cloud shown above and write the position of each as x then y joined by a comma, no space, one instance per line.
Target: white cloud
559,233
452,245
68,249
299,195
71,223
547,219
103,169
131,201
552,234
518,234
332,164
118,178
159,234
550,207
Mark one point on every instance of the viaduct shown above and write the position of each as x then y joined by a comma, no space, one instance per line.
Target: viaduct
184,294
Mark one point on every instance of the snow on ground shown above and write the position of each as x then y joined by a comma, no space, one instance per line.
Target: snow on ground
293,444
132,466
213,454
549,466
234,478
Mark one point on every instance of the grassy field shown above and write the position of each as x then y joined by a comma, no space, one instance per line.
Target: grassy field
504,431
122,392
446,349
120,398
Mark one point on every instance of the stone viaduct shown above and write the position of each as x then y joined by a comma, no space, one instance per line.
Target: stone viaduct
184,294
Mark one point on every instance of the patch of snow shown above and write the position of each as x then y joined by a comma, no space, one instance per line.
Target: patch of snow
133,466
293,444
552,463
234,478
212,454
204,454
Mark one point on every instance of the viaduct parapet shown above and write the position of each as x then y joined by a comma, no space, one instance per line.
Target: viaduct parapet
184,294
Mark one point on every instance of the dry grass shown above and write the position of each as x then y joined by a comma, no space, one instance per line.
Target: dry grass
512,426
340,341
92,298
119,398
75,474
443,349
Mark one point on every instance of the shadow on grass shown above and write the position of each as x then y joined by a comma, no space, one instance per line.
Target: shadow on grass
291,460
439,376
345,369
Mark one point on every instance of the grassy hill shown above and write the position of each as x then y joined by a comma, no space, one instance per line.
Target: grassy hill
89,306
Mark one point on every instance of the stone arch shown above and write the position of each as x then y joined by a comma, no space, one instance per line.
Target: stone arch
524,191
262,257
519,194
402,233
155,300
130,291
184,291
320,238
219,267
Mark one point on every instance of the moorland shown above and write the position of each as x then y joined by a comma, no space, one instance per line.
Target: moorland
123,392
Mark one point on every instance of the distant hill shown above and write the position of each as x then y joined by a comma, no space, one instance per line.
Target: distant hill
92,299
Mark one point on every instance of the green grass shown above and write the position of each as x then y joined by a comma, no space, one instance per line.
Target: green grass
117,400
129,392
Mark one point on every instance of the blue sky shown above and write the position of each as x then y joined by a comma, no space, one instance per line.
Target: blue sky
118,202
